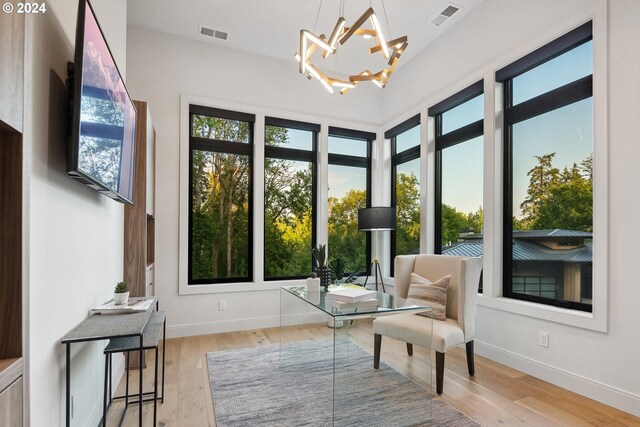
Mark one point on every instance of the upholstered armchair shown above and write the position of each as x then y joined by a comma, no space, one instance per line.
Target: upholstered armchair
459,326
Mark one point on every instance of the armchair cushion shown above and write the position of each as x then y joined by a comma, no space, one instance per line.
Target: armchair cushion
417,330
425,292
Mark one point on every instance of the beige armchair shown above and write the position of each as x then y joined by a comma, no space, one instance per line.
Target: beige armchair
458,328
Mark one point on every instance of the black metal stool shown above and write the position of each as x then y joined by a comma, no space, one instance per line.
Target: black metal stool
156,325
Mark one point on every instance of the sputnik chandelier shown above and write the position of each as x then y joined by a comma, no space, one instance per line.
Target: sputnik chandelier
310,43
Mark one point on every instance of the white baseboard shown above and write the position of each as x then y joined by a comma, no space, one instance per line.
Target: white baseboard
95,417
612,396
187,330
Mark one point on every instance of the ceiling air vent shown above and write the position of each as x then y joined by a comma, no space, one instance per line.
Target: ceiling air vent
212,33
444,15
221,35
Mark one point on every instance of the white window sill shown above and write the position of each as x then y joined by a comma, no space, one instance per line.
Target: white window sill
564,316
225,288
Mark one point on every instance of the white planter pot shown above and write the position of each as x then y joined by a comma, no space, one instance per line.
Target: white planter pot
313,285
121,299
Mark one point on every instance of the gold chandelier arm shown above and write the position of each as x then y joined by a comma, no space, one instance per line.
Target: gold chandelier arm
320,76
389,71
356,25
320,41
392,43
303,52
341,83
337,31
366,75
365,32
397,52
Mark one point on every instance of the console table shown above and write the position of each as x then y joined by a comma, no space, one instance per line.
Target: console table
104,327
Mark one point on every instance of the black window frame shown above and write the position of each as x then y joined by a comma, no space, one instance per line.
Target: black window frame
355,161
227,147
397,159
554,99
294,154
449,139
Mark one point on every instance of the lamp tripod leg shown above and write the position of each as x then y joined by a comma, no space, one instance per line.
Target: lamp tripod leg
379,270
371,268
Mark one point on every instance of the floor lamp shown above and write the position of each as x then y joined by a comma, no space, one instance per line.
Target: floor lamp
376,219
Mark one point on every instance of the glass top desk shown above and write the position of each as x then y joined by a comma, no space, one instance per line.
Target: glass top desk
336,359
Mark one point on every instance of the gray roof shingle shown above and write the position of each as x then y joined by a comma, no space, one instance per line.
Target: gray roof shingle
526,251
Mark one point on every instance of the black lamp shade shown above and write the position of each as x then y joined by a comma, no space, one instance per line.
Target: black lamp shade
380,218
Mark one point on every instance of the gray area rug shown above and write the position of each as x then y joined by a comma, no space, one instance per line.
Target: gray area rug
262,387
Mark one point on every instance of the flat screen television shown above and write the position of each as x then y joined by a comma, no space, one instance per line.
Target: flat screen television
101,152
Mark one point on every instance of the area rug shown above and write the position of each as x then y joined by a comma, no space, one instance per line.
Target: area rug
262,387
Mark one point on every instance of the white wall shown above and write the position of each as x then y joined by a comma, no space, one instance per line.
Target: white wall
602,366
161,68
76,235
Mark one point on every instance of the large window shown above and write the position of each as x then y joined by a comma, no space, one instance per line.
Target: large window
220,190
349,190
459,172
289,198
548,173
405,186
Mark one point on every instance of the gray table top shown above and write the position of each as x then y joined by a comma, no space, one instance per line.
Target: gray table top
150,336
101,326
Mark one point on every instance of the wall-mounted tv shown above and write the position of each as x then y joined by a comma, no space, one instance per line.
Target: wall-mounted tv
101,152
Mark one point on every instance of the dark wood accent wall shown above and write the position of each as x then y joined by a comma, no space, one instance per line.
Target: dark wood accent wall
135,216
10,244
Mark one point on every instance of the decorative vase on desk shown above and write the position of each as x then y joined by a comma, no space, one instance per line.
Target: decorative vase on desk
324,275
121,294
320,265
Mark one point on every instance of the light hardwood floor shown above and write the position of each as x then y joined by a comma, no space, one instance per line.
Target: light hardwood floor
496,395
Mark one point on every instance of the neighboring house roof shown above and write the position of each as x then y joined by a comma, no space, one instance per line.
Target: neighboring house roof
526,251
464,249
554,233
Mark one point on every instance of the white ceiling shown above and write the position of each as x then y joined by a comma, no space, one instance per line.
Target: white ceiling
272,27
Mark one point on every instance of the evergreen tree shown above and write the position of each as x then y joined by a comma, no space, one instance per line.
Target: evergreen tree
542,178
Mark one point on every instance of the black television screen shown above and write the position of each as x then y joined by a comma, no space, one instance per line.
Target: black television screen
102,150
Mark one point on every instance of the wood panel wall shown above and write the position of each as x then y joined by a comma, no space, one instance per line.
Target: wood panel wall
135,216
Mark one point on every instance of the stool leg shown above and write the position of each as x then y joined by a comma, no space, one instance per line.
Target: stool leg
110,378
164,342
126,372
155,390
104,400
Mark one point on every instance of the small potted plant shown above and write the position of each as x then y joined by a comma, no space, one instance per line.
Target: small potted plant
121,294
337,267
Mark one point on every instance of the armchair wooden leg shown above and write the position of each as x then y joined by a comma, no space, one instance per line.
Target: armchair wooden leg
410,349
377,344
439,372
470,364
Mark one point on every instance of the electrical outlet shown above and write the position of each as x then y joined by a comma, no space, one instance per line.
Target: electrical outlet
543,339
222,305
